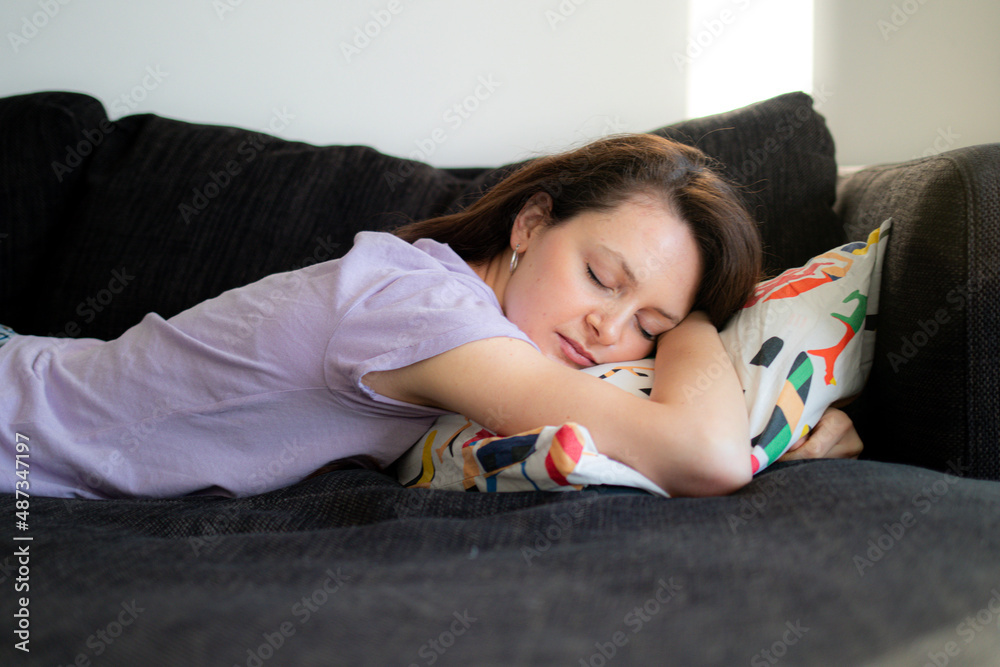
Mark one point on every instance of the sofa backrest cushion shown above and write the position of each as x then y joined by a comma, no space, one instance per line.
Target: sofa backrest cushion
161,214
47,143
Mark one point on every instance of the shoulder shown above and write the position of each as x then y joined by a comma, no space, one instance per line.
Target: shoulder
389,251
405,303
383,271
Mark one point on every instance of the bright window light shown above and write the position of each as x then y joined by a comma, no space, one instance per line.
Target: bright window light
743,51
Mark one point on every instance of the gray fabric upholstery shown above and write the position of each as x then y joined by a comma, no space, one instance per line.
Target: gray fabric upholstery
821,563
934,393
183,211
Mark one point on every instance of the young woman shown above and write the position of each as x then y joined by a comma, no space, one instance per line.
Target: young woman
624,247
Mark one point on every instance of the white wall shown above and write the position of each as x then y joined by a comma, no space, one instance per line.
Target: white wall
907,78
560,71
527,76
743,51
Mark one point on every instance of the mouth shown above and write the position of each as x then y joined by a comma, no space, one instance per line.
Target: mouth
575,352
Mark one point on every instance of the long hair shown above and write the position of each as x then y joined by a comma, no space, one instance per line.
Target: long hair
602,175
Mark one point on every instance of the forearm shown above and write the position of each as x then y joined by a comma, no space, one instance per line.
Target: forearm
694,373
691,443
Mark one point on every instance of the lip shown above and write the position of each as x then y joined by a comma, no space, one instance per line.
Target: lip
575,352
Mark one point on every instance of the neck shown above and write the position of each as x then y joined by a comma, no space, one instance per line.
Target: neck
495,273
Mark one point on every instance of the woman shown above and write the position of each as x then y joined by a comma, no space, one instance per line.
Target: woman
607,253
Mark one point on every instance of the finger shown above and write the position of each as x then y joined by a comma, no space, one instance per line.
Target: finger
798,443
823,441
848,447
838,437
794,452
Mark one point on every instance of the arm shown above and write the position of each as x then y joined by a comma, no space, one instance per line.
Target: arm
691,442
833,438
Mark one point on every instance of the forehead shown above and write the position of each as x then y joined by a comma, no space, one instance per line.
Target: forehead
646,243
646,235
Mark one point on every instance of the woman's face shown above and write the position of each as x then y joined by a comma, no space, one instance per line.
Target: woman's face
601,286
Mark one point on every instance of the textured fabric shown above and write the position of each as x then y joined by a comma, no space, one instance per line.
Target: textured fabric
184,211
48,142
933,398
459,455
249,391
165,214
6,333
822,563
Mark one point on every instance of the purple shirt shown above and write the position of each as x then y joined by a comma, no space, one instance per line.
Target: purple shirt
249,391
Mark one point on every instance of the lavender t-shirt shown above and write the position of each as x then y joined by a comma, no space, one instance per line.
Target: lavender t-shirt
249,391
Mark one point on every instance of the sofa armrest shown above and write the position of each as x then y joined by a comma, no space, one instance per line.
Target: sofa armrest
933,398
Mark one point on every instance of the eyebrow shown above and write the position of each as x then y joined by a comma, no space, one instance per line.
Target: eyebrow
630,278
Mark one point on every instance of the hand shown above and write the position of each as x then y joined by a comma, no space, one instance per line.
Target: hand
833,438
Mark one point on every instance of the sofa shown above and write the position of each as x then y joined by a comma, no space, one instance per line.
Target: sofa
893,559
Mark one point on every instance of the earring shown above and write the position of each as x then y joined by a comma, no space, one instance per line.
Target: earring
513,260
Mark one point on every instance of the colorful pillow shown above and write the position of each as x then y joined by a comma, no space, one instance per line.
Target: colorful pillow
803,341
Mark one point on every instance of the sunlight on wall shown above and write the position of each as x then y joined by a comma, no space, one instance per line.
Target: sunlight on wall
743,51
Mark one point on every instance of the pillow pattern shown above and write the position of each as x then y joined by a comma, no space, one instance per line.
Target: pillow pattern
804,340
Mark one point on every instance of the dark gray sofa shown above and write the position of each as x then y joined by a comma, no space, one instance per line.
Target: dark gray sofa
893,559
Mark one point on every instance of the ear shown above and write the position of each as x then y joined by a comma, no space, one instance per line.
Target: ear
531,220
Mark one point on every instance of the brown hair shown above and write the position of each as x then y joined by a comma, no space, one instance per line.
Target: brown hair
600,176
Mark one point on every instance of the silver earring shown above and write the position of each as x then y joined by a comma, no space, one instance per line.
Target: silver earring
513,260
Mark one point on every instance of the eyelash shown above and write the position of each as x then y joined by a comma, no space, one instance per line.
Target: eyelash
594,279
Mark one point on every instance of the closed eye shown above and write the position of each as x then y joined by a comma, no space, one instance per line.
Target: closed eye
595,279
645,334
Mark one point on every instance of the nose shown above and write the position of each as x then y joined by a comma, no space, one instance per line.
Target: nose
606,324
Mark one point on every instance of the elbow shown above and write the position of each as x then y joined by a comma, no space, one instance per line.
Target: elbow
704,456
725,449
717,468
730,475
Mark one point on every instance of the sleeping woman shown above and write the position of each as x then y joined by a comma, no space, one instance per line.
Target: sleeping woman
623,248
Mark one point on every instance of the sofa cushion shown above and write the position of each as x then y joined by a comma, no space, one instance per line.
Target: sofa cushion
164,214
173,213
48,141
365,572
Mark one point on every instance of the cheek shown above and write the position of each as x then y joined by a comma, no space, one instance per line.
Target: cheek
527,307
640,350
634,350
516,302
537,304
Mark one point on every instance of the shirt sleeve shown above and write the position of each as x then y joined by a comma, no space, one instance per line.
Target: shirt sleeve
423,305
